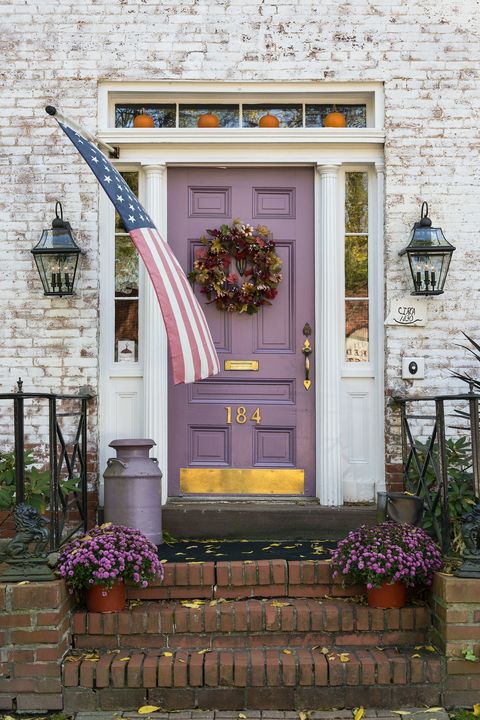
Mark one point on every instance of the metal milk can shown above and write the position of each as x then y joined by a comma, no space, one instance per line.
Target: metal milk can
133,488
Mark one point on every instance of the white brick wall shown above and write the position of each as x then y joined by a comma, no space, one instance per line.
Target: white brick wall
426,52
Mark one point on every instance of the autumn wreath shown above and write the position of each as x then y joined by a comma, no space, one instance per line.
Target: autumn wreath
258,267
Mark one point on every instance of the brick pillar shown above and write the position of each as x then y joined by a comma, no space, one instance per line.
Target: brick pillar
455,606
34,636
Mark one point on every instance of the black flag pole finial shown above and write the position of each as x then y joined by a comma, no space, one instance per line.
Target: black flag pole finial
114,152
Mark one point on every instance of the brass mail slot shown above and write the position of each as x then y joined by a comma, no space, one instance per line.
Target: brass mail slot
240,365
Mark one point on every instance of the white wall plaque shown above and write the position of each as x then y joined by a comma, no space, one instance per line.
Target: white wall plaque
407,310
126,350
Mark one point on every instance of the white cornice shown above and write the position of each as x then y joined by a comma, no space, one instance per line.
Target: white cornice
240,136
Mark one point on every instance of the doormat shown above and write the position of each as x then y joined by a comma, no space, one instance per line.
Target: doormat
218,550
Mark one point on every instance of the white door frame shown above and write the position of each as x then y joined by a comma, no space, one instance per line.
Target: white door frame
364,149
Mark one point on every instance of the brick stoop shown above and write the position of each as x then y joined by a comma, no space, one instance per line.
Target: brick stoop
264,634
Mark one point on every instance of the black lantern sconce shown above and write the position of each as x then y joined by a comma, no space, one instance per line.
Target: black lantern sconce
427,256
57,257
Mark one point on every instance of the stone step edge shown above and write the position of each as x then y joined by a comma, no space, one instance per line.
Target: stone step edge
277,668
302,615
237,578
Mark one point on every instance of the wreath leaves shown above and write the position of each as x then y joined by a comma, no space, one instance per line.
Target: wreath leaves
238,269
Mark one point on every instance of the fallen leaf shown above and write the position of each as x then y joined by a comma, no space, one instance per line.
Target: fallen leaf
212,603
287,652
167,653
331,657
476,709
276,603
24,582
468,654
430,648
177,553
344,657
324,651
377,647
163,561
401,712
432,709
242,715
125,658
195,562
416,655
291,547
302,715
147,709
180,660
191,547
202,652
247,552
359,713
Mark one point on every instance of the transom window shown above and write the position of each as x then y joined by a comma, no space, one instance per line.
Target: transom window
245,115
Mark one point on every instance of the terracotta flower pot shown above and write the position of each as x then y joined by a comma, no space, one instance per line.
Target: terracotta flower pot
389,595
102,599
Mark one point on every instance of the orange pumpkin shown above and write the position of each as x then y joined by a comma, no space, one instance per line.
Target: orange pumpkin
334,119
208,120
143,120
269,121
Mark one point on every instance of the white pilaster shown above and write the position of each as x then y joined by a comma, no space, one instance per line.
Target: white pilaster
329,337
155,358
378,322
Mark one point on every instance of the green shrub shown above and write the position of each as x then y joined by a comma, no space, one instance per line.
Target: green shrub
37,482
461,495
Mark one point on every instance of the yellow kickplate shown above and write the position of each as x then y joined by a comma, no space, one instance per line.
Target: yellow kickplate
242,481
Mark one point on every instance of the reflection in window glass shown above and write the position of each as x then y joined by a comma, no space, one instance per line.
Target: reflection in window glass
163,115
356,202
356,267
355,115
126,287
356,330
227,114
289,115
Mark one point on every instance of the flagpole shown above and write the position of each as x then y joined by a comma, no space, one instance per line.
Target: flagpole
113,151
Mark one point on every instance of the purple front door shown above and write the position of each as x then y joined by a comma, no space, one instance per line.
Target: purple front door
248,431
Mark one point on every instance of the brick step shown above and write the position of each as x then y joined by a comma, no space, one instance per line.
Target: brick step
247,578
250,623
234,679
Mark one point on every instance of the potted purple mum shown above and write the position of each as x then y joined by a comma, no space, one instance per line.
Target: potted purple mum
387,559
103,560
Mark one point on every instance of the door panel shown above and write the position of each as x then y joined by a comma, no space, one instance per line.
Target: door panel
248,431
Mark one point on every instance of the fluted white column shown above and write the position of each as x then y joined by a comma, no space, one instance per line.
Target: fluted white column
329,338
379,327
155,359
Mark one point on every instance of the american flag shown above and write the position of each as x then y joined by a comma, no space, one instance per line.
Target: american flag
192,351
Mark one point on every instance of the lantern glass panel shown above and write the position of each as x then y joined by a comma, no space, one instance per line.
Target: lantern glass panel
57,258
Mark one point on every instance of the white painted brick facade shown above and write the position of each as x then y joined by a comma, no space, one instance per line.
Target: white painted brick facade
426,53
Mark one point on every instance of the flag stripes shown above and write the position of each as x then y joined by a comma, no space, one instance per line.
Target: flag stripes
192,351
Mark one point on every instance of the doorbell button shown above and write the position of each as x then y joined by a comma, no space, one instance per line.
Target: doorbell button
413,368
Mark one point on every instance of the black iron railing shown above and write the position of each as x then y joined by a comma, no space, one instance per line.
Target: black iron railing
67,458
426,424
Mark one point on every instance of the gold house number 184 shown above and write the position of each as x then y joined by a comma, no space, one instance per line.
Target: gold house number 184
241,415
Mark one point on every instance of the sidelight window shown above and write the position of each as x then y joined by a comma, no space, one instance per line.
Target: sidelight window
356,268
126,287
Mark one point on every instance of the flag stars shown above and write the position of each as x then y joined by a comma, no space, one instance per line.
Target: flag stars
107,179
120,198
130,207
94,159
131,218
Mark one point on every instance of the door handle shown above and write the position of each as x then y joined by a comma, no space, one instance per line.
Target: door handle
307,351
